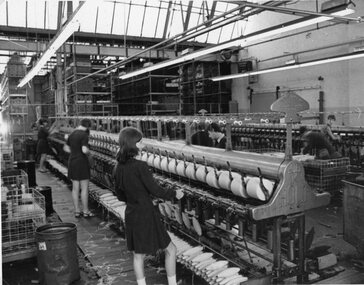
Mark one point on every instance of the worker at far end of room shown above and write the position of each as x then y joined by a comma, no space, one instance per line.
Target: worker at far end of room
202,136
217,136
327,131
315,143
43,148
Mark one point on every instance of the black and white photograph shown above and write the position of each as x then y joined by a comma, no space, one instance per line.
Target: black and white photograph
160,142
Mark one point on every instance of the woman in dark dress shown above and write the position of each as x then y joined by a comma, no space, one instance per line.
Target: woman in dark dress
42,145
145,233
78,166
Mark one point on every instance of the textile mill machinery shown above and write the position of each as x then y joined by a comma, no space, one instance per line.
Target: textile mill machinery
245,208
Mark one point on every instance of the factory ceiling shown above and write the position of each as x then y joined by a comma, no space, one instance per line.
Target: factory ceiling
167,25
150,20
136,24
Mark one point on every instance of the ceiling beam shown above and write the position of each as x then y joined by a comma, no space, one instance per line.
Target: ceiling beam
37,47
7,13
113,18
92,38
59,14
156,25
143,19
188,16
97,19
213,10
128,20
167,19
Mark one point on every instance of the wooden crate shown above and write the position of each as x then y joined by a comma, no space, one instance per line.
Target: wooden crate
353,205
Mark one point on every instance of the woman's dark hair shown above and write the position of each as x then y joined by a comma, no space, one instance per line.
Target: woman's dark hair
331,117
302,130
214,127
128,138
42,121
86,123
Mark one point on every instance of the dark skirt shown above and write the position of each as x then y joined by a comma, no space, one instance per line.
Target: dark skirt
43,147
78,168
145,233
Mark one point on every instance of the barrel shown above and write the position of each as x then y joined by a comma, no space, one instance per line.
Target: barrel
29,167
46,191
57,253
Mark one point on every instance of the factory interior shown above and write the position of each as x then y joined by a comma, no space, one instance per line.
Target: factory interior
251,109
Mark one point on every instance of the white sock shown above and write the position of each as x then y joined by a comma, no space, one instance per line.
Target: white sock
172,280
141,281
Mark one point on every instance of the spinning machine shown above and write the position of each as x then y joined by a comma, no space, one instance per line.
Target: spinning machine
242,212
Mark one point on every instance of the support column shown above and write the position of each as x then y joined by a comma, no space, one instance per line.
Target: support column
188,133
59,93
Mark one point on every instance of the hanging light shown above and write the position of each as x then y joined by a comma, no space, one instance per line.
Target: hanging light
60,38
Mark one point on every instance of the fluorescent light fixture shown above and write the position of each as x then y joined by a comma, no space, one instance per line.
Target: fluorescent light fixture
295,66
360,48
243,42
62,35
291,61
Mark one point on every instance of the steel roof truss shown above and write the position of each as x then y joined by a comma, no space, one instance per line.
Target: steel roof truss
156,25
145,8
167,19
113,18
188,15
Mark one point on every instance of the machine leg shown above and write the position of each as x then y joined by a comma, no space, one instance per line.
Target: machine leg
301,277
254,232
276,272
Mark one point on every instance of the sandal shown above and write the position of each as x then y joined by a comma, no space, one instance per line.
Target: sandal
78,214
88,214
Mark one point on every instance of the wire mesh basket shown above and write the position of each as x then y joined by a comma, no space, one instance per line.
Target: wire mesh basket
22,211
14,177
326,175
6,157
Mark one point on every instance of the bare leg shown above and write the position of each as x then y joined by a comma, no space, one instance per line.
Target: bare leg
75,194
84,195
170,263
42,160
138,262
